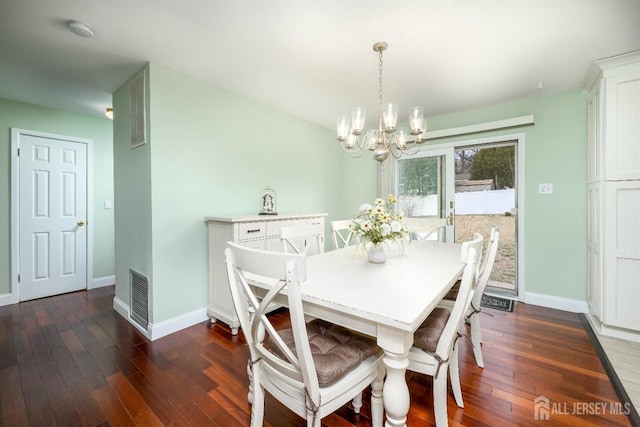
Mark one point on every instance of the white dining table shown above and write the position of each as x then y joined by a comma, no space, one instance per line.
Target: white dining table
387,301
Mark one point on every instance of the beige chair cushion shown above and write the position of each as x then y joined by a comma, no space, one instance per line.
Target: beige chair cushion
335,350
428,334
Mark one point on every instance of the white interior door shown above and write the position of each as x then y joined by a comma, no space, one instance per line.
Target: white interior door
52,216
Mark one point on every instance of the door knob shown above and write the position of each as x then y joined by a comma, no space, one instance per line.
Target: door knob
80,223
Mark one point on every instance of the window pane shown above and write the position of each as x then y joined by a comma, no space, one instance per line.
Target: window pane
420,186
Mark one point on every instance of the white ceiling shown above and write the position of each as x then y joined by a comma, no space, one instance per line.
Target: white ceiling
313,58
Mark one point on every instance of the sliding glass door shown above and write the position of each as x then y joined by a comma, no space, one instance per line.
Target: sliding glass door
465,189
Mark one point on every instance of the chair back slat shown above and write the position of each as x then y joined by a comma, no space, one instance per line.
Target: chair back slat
475,243
342,233
426,228
277,275
487,265
465,292
470,255
302,238
488,260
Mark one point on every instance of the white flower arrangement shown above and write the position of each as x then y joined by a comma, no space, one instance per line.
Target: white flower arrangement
380,222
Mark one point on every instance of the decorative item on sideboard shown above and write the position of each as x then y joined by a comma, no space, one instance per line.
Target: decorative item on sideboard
268,201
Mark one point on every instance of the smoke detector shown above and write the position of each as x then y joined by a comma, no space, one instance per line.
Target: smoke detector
80,29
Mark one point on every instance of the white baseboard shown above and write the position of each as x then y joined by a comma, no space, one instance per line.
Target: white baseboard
178,323
167,327
8,299
14,297
610,331
123,310
559,303
101,282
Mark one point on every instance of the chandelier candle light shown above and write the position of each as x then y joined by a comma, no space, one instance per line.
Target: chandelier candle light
387,138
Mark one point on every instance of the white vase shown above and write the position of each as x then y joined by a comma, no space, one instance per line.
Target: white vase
377,254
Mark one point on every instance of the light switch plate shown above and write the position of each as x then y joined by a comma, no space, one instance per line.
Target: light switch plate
108,204
546,188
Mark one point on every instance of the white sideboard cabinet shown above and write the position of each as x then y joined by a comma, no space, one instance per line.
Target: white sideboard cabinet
613,187
258,231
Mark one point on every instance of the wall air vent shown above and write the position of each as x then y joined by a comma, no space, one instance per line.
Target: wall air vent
139,298
137,111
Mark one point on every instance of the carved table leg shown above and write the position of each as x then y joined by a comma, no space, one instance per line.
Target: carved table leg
396,392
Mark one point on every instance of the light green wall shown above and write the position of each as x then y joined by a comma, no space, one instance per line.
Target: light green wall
34,118
210,153
360,181
133,217
556,152
556,230
203,160
206,162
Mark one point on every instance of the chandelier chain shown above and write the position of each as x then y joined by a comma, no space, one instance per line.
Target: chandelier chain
380,90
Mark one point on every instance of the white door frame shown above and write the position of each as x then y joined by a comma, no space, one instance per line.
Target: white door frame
14,296
387,181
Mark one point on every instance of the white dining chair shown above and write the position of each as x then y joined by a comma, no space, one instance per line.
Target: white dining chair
426,228
472,316
437,234
435,348
342,233
312,368
303,239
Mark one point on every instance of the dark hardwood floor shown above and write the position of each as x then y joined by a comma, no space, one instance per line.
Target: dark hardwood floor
70,360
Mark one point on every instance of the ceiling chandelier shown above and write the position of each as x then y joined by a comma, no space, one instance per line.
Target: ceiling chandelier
387,138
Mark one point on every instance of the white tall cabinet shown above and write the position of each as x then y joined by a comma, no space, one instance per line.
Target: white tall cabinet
259,232
613,175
